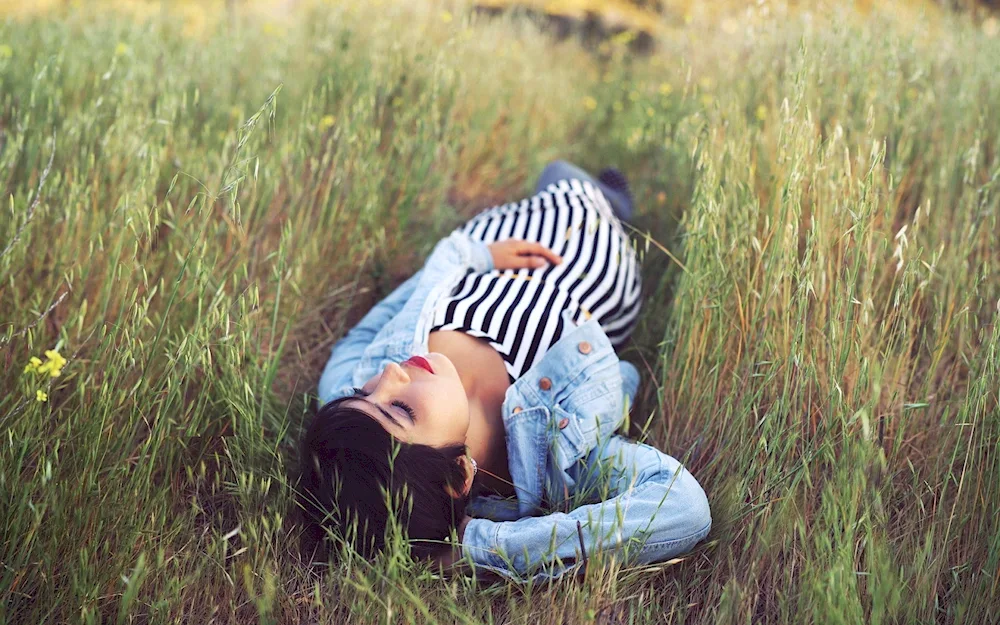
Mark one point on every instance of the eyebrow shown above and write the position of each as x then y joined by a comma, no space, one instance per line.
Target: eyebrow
380,409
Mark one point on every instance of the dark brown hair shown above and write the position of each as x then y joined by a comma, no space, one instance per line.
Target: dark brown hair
350,468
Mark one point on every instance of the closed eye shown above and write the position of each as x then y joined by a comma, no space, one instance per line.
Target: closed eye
399,404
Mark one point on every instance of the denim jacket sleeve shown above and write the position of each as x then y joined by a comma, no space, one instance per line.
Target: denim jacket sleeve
630,382
454,253
651,509
348,350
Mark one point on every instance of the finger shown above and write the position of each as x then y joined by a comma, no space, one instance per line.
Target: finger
527,262
541,250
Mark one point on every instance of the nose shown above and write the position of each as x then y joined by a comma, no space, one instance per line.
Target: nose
393,377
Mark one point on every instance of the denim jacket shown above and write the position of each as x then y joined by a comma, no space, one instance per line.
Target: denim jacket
581,489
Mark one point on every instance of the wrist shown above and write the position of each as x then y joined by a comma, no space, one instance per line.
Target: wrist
461,529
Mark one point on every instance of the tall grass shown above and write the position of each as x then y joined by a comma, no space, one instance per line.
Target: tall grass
193,216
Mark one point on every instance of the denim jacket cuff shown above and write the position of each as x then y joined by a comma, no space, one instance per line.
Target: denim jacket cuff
480,543
482,258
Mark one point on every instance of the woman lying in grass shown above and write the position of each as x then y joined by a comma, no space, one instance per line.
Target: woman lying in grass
488,387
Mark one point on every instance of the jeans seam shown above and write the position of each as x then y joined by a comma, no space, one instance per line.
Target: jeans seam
666,543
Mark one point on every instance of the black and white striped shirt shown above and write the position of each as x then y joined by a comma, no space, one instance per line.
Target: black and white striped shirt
519,311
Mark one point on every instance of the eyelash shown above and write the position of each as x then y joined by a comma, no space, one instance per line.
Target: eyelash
409,411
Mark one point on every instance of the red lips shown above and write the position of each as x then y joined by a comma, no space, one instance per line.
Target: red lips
421,362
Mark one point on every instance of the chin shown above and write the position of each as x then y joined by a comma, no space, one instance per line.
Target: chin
439,358
437,355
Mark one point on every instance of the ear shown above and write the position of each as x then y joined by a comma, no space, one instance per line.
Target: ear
466,465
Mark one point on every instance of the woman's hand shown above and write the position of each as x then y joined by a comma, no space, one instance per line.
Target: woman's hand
521,254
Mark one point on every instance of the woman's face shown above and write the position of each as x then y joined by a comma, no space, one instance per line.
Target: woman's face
438,401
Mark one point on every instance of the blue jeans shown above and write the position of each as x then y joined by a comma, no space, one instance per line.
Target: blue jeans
560,170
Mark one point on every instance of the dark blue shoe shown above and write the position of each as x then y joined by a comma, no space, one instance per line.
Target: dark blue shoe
612,183
617,181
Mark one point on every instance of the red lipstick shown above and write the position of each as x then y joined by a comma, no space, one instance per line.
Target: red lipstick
421,362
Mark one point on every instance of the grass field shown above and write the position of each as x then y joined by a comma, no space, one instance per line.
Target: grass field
196,208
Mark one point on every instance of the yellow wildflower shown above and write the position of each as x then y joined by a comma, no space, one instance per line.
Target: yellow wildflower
327,122
589,103
121,49
53,366
761,112
650,111
666,88
446,17
706,99
6,51
618,106
41,396
33,364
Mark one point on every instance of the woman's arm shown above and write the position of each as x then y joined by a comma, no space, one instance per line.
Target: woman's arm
652,509
451,258
348,350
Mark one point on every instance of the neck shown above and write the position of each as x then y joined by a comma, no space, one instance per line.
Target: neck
487,443
484,378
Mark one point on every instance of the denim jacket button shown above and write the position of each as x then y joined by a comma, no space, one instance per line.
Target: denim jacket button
563,423
545,383
584,347
517,409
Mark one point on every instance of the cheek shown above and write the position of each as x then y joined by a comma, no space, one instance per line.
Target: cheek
451,408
